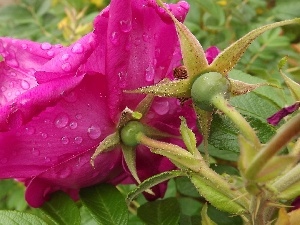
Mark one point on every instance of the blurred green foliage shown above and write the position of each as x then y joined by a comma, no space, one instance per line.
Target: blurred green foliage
213,22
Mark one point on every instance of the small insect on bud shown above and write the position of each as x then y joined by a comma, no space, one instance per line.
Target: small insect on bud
180,73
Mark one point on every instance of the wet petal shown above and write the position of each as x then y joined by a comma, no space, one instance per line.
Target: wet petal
55,147
142,47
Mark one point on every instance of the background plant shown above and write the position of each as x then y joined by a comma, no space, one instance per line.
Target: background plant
214,23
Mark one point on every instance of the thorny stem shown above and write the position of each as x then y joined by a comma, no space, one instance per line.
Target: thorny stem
288,179
222,104
204,171
283,136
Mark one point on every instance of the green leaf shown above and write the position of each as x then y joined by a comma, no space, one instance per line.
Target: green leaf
86,218
189,206
223,218
106,204
17,218
214,9
185,187
61,209
162,212
189,220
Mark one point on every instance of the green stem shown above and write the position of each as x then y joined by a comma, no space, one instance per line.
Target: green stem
222,104
288,179
213,178
282,137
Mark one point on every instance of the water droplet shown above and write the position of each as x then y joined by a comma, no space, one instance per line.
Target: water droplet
12,63
146,37
94,132
73,125
65,140
65,172
79,116
44,135
184,5
50,53
47,159
3,160
25,84
29,130
125,25
70,97
77,48
149,74
78,140
61,120
65,57
114,38
46,46
161,107
157,52
24,46
122,76
35,152
66,67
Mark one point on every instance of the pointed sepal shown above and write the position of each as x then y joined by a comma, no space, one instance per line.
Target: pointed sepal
192,52
229,57
238,87
188,137
130,159
175,88
211,193
109,143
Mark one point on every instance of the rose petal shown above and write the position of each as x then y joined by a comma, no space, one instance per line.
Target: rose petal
141,48
278,116
55,147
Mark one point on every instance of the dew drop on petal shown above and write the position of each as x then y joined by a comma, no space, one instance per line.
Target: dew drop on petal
161,107
12,63
78,140
146,37
77,48
47,159
70,97
44,135
29,130
25,84
65,140
50,53
149,73
184,5
94,132
79,116
35,152
61,120
66,67
64,173
125,25
114,38
46,46
24,46
73,125
65,57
